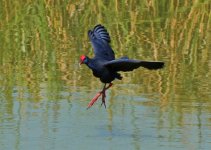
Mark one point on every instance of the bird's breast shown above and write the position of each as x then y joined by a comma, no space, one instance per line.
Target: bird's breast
100,71
107,77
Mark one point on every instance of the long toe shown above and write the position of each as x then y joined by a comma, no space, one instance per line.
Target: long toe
103,99
103,103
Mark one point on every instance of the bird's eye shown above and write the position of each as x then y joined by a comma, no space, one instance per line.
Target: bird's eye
85,60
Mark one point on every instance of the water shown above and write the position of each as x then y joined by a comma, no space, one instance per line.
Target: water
44,93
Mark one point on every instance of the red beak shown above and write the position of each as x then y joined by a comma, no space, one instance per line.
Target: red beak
81,62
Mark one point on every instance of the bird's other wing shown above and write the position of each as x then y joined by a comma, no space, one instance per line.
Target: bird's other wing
129,64
100,40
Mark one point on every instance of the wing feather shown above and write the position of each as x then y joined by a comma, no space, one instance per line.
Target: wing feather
129,64
100,40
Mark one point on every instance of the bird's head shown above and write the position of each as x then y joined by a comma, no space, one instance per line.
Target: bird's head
83,59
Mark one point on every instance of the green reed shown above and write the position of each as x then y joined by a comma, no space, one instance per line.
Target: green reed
42,41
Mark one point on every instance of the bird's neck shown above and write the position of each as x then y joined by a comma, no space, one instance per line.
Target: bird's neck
90,63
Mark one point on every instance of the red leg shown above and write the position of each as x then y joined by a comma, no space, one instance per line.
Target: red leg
98,95
94,100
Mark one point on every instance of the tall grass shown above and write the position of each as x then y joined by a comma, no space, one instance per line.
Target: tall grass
42,40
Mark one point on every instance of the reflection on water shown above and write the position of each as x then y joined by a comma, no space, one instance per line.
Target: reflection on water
44,93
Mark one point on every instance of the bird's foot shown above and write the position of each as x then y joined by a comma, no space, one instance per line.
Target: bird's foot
103,98
98,95
104,94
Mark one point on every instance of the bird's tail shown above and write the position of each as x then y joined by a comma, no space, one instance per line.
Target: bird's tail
152,64
118,76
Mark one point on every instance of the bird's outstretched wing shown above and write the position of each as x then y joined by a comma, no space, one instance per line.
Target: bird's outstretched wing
125,64
100,40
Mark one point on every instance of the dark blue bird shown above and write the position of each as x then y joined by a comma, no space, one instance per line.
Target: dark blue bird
105,66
